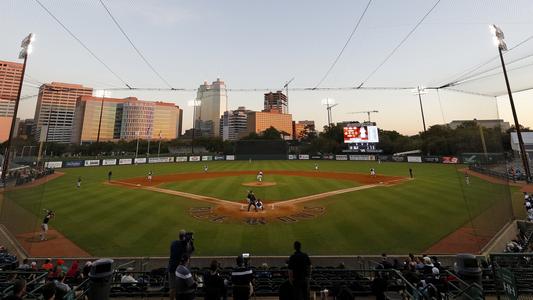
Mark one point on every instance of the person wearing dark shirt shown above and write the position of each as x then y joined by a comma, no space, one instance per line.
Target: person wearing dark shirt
185,283
214,286
300,272
241,278
19,289
177,249
44,226
109,175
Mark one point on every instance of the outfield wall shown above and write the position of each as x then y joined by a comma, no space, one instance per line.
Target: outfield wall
75,163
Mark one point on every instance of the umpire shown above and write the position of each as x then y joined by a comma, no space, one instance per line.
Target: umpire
178,248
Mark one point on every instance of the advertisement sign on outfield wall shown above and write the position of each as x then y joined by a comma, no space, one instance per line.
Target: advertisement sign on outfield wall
328,156
207,157
399,158
73,164
181,159
109,162
140,160
303,156
431,159
450,160
156,160
414,159
341,157
125,161
362,157
316,156
194,158
230,157
92,163
293,156
218,157
53,164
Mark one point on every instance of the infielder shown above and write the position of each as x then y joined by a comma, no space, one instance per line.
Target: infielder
372,172
260,176
150,176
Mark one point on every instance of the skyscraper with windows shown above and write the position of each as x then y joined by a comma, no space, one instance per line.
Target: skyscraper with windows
233,124
10,77
125,119
56,104
213,103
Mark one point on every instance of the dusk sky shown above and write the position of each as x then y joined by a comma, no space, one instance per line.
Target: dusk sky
262,44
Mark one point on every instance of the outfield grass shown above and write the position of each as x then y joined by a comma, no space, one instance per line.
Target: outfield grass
287,187
114,221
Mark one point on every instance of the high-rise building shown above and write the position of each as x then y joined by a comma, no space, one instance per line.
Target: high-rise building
56,104
233,124
10,77
25,128
276,102
213,103
126,119
260,121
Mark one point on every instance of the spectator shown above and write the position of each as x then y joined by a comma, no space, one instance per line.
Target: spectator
48,291
385,262
214,285
73,271
25,266
178,248
300,272
128,277
379,284
33,266
61,264
241,277
428,265
86,269
61,287
185,283
48,266
19,290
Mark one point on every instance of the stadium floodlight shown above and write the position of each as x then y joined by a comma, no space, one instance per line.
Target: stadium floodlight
421,90
26,46
329,103
498,38
103,94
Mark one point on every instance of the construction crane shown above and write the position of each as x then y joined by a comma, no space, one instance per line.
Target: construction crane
368,112
286,87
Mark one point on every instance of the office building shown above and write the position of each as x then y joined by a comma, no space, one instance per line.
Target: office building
56,104
233,124
124,119
504,126
10,78
260,121
213,103
276,102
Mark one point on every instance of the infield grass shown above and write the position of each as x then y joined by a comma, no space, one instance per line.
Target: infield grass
115,221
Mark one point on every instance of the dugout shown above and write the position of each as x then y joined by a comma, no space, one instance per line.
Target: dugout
261,149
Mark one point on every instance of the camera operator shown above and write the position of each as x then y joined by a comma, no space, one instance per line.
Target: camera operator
241,278
184,245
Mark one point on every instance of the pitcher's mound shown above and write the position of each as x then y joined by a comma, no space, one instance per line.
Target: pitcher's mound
258,184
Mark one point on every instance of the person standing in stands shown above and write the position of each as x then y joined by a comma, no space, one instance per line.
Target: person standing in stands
185,284
299,272
44,226
49,291
178,248
242,277
214,284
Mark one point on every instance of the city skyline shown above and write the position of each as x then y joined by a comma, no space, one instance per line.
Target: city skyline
454,37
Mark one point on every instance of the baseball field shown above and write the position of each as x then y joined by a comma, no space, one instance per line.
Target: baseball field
338,210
